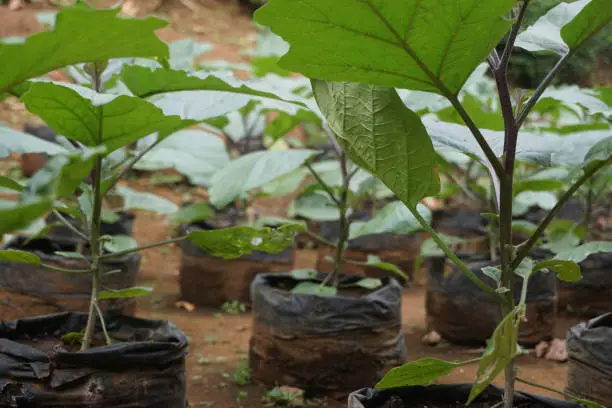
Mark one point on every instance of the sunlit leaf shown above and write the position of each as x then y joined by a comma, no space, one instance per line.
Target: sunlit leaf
117,243
13,255
419,372
127,293
394,218
580,253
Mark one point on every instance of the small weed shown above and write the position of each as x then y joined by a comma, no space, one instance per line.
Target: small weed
284,397
241,375
210,339
240,396
233,307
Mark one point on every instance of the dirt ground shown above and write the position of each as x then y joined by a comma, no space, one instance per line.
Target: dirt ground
219,342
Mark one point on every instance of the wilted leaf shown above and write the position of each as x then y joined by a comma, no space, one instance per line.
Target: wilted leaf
13,255
93,35
127,293
234,242
419,372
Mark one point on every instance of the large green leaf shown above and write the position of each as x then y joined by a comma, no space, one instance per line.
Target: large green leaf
600,152
126,293
81,114
252,171
9,183
577,99
231,243
423,45
192,152
566,26
419,372
12,141
381,135
580,253
13,255
81,34
395,217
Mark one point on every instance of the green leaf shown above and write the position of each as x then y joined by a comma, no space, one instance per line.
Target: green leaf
127,293
419,372
405,44
394,146
15,216
593,17
13,255
316,289
145,82
81,34
369,283
61,175
430,248
581,252
234,242
537,185
567,271
192,213
492,272
253,170
136,200
317,207
75,111
524,226
500,350
395,218
284,122
303,274
6,182
376,262
195,153
118,243
599,152
70,254
12,141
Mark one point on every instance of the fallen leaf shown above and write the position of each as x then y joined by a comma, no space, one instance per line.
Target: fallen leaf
432,338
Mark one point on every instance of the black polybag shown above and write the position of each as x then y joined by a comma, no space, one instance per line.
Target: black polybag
146,368
316,315
591,343
445,395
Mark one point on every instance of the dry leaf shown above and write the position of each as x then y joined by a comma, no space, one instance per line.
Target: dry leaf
432,338
181,304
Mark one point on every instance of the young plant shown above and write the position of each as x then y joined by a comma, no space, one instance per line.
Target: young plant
100,123
374,47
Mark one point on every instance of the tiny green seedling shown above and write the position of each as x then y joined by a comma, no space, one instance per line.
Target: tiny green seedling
233,307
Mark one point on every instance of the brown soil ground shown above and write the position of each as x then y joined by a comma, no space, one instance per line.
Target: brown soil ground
219,342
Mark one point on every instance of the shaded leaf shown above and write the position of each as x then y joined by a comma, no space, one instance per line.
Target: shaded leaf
419,372
398,43
6,182
376,262
15,216
13,255
93,35
253,170
234,242
382,136
118,243
192,213
315,289
580,253
394,217
303,274
135,200
567,271
127,293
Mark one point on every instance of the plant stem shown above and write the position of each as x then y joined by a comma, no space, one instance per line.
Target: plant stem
513,34
541,88
327,188
140,248
69,225
58,269
106,336
320,239
96,222
130,164
451,255
344,222
588,213
564,394
526,246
